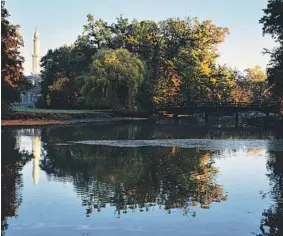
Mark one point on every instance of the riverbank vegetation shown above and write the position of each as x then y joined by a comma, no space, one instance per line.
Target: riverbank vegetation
272,22
169,62
138,65
12,79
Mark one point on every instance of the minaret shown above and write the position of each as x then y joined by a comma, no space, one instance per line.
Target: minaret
36,54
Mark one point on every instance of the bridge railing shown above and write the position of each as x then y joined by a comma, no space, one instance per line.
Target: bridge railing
217,105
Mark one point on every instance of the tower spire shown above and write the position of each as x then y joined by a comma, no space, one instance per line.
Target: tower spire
36,53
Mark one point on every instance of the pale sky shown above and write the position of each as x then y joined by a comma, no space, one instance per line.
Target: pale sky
59,22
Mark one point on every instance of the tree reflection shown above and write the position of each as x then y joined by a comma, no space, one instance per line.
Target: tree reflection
135,178
272,218
11,182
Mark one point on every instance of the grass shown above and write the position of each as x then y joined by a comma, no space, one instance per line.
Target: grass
37,110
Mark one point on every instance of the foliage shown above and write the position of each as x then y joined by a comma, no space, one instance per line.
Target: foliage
272,19
59,93
272,22
179,58
114,79
58,64
11,60
257,82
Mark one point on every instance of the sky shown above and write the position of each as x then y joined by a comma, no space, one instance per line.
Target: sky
59,22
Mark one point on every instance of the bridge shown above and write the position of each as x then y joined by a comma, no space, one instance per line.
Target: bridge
219,108
190,108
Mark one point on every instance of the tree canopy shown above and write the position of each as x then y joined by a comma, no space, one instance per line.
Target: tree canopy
114,79
12,62
272,22
178,57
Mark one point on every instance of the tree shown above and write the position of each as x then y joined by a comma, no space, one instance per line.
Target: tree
64,62
187,58
114,79
178,57
272,19
12,62
257,79
59,93
272,22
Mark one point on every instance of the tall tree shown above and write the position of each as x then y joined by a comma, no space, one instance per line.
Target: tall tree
64,62
272,22
12,62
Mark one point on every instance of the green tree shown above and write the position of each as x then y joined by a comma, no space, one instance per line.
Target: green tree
272,22
114,79
12,77
59,93
178,57
63,62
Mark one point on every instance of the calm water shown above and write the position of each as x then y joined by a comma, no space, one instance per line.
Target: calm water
137,178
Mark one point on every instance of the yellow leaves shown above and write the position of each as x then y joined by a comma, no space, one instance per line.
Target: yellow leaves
256,74
232,83
239,94
156,99
213,80
111,59
205,69
131,39
176,80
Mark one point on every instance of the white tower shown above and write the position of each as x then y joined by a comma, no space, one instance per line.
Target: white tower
36,54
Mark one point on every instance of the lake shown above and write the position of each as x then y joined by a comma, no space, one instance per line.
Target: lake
141,178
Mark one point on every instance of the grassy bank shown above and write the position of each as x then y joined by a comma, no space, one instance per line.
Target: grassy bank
31,116
65,111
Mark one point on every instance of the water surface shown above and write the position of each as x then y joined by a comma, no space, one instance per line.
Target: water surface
138,178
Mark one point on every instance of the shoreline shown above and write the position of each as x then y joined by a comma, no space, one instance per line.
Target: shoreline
29,122
22,122
66,118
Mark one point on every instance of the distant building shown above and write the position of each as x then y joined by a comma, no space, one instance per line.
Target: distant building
29,98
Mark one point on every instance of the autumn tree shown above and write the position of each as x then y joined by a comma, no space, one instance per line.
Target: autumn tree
12,62
178,57
189,52
257,80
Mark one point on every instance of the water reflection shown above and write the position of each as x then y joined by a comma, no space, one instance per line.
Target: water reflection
138,179
36,149
13,161
272,218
